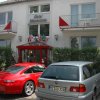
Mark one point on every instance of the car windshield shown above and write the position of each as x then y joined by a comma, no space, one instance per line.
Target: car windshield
62,72
14,69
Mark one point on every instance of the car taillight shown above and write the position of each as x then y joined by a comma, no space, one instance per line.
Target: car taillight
81,88
41,85
9,81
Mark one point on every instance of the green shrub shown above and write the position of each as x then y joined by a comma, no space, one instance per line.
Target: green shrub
74,54
5,56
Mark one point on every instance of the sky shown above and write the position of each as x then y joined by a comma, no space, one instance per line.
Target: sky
2,0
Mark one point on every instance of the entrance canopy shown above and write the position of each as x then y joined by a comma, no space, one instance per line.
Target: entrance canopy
34,52
34,45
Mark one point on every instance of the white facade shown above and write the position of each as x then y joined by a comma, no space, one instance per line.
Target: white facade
58,8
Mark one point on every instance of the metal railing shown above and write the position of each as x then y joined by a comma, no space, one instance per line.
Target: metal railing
12,28
82,20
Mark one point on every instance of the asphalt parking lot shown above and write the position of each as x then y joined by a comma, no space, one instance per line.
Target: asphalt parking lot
21,97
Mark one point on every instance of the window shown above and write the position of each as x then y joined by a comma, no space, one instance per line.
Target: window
2,18
38,69
41,29
5,17
9,16
34,9
45,8
35,69
40,8
44,29
83,41
89,70
86,72
28,71
97,67
88,41
33,29
82,12
14,69
4,43
55,72
88,10
74,42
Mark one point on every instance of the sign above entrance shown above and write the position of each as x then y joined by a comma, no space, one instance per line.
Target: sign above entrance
34,18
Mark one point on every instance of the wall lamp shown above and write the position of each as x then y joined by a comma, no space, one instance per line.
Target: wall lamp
56,37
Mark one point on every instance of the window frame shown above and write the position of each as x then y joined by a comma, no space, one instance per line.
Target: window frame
44,5
5,18
40,29
81,18
34,12
79,38
92,70
39,8
5,43
88,38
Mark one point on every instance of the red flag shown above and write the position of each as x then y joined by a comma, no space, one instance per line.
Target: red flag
8,26
62,22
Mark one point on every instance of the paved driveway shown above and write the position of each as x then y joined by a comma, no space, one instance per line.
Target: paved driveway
20,97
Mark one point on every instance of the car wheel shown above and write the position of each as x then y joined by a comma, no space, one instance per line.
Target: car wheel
29,88
94,97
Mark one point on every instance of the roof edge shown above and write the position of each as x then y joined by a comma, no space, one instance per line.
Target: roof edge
14,2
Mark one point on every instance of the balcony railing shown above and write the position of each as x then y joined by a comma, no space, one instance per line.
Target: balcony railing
81,21
9,27
8,31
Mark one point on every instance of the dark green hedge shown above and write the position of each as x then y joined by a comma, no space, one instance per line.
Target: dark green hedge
70,54
5,56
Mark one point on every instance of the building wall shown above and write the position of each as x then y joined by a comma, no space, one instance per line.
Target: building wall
58,8
63,7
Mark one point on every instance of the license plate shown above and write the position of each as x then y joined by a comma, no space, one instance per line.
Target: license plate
57,88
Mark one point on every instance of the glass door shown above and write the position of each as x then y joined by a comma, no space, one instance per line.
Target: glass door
74,15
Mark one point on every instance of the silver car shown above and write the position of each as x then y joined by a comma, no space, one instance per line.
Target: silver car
72,80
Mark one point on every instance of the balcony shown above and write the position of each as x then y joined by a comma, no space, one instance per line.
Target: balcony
86,21
8,31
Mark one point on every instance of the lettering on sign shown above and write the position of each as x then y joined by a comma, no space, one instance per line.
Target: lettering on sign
38,18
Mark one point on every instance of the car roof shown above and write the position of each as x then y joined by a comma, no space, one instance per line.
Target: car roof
74,63
26,64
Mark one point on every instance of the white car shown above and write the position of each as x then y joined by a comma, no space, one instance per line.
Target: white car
72,80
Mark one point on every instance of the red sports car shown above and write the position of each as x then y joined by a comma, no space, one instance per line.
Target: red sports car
20,78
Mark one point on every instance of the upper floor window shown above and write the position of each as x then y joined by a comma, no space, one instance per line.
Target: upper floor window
82,12
5,17
40,8
9,17
2,18
45,8
34,9
88,10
